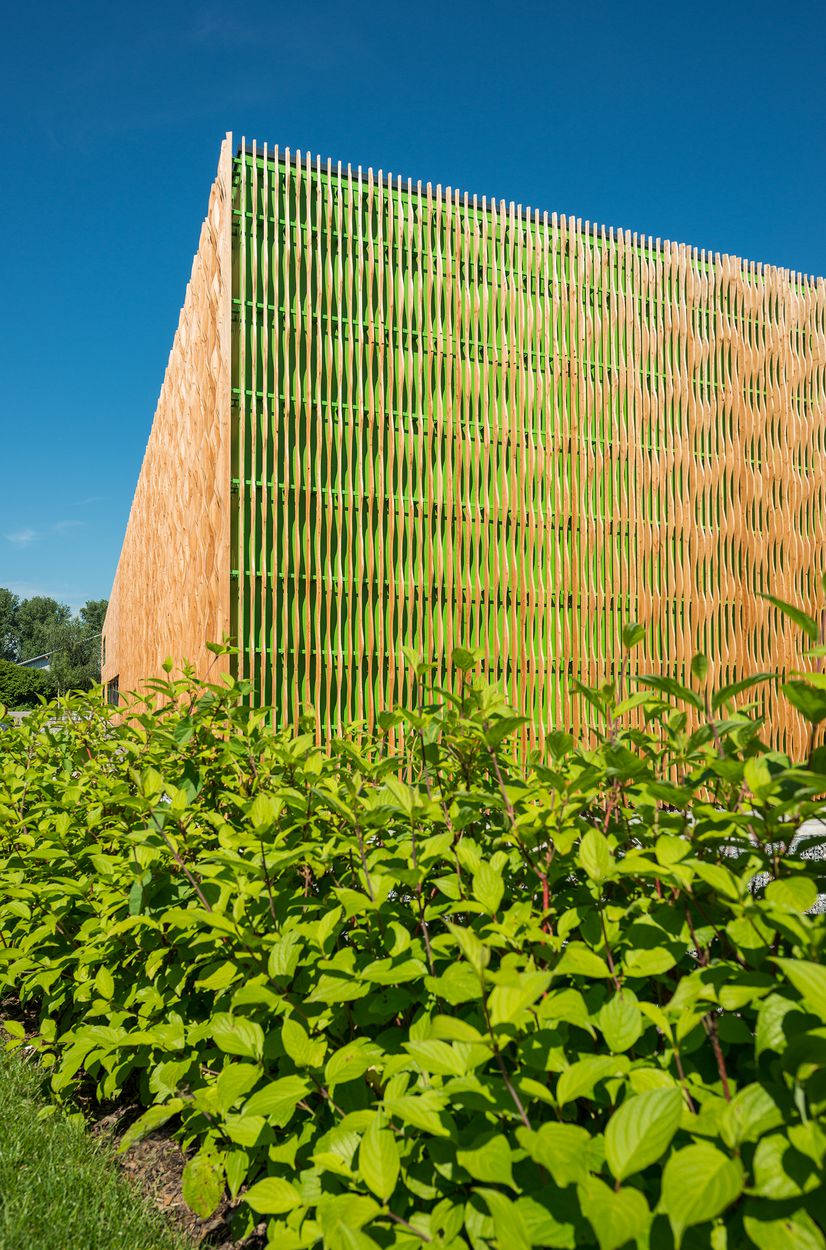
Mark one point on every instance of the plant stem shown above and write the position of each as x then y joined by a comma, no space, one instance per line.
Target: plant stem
411,1228
710,1024
500,1063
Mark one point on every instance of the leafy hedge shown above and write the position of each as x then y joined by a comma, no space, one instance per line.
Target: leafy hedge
24,687
438,997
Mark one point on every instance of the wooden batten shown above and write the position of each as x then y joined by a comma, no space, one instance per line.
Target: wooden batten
171,593
455,421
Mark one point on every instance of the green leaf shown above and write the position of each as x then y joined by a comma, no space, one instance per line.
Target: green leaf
809,979
579,960
490,1161
379,1161
699,1182
235,1080
437,1057
781,1171
502,728
285,954
202,1184
595,855
104,982
641,1130
794,895
719,878
771,1033
238,1036
488,887
674,690
560,1148
236,1166
465,660
699,667
474,951
263,811
757,776
244,1130
352,1061
632,634
752,1111
726,693
304,1051
616,1217
344,1213
620,1020
809,701
149,1122
580,1079
559,743
419,1110
795,1230
797,615
272,1196
278,1100
457,984
506,1002
509,1226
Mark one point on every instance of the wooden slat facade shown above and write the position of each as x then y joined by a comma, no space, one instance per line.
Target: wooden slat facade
453,421
171,592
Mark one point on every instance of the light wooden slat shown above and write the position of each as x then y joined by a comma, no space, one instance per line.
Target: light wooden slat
448,420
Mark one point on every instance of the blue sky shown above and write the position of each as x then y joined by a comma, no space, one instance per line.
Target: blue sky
697,122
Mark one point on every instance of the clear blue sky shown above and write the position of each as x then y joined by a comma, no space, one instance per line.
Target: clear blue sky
698,122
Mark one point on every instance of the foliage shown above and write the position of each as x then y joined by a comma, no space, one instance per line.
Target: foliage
429,994
76,665
58,1186
31,627
40,622
24,687
9,603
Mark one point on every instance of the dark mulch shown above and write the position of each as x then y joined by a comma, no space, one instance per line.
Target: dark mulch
155,1165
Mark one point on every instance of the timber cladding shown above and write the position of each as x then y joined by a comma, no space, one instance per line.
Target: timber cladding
451,421
171,589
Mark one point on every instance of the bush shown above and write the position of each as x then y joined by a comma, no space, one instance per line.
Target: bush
432,995
24,687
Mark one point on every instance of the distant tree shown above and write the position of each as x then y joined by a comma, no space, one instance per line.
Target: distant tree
76,665
41,625
21,687
9,606
93,613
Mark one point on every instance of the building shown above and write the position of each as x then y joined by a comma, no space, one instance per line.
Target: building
38,661
396,414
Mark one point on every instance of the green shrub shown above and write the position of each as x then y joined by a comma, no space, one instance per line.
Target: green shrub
23,687
436,996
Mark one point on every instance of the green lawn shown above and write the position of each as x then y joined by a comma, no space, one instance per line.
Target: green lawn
59,1189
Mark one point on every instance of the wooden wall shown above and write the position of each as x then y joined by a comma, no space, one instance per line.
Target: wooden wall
397,414
171,590
462,422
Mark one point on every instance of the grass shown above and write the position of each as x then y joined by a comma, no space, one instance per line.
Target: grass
59,1188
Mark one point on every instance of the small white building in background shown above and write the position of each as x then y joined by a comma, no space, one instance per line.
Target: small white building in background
38,661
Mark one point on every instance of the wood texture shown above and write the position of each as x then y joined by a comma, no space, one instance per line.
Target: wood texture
471,423
456,421
171,592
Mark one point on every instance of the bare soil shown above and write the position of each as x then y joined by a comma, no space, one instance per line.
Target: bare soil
155,1166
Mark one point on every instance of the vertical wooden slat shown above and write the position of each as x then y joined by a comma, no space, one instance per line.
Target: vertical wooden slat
453,422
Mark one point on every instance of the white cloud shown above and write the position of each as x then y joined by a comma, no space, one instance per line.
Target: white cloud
67,525
22,538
